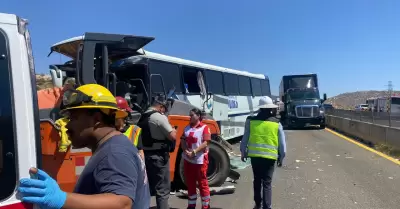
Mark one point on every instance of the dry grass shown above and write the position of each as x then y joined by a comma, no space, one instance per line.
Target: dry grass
387,149
44,81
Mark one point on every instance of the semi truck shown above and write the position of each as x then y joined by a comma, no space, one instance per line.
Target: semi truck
302,104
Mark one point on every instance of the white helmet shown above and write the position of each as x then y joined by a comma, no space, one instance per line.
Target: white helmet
266,102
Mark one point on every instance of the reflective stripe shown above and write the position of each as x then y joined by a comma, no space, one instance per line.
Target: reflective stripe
137,131
128,132
262,146
133,133
193,196
192,202
260,154
206,197
205,203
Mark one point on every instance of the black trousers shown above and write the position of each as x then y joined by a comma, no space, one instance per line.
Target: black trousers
263,170
157,168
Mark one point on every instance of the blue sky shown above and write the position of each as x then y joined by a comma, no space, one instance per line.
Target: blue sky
351,44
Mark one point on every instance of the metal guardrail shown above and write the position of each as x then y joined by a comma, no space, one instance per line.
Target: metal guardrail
379,118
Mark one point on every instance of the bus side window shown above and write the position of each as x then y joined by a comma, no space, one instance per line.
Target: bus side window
190,78
8,177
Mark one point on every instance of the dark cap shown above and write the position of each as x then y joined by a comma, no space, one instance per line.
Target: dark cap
160,99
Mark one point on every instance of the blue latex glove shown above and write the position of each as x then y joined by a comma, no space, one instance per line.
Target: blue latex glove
43,191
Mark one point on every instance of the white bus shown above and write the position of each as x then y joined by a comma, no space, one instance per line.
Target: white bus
228,95
235,94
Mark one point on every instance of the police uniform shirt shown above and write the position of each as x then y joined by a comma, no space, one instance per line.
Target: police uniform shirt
159,125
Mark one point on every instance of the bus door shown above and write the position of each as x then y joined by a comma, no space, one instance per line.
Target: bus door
96,51
20,137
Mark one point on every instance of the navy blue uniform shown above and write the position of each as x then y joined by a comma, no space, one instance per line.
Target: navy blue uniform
117,168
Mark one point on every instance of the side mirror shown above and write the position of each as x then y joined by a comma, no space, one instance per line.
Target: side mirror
325,97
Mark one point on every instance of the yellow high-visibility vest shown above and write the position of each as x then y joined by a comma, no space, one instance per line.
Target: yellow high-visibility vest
133,133
263,141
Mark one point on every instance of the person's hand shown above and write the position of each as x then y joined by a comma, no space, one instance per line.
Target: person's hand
190,153
42,190
244,158
279,163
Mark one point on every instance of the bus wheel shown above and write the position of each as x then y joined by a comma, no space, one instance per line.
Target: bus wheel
218,166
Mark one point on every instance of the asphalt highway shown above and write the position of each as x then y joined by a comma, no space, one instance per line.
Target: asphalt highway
322,170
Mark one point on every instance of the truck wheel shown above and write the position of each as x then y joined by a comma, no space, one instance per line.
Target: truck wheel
218,166
322,126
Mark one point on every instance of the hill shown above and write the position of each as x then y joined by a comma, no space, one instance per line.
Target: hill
350,99
43,81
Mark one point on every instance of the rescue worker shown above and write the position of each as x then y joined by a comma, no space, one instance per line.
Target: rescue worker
264,142
196,139
158,138
132,131
115,176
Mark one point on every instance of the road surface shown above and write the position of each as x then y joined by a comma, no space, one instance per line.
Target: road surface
321,170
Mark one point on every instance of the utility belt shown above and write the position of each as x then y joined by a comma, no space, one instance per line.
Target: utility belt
156,145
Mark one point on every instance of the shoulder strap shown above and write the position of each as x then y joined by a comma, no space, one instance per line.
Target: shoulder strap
148,114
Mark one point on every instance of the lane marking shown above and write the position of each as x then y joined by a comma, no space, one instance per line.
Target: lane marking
364,146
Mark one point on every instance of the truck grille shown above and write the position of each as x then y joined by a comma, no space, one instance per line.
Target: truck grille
307,111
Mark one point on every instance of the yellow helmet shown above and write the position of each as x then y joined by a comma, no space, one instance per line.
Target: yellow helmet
91,96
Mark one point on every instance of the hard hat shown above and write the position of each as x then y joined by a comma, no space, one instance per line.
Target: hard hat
91,96
266,102
123,104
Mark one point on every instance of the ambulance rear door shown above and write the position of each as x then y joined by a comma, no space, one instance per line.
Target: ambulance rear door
20,133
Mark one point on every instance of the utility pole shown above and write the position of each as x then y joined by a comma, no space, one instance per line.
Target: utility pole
389,101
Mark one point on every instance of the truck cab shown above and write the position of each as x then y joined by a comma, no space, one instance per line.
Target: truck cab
302,103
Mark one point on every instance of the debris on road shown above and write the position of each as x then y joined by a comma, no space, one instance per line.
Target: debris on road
213,191
233,176
237,163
